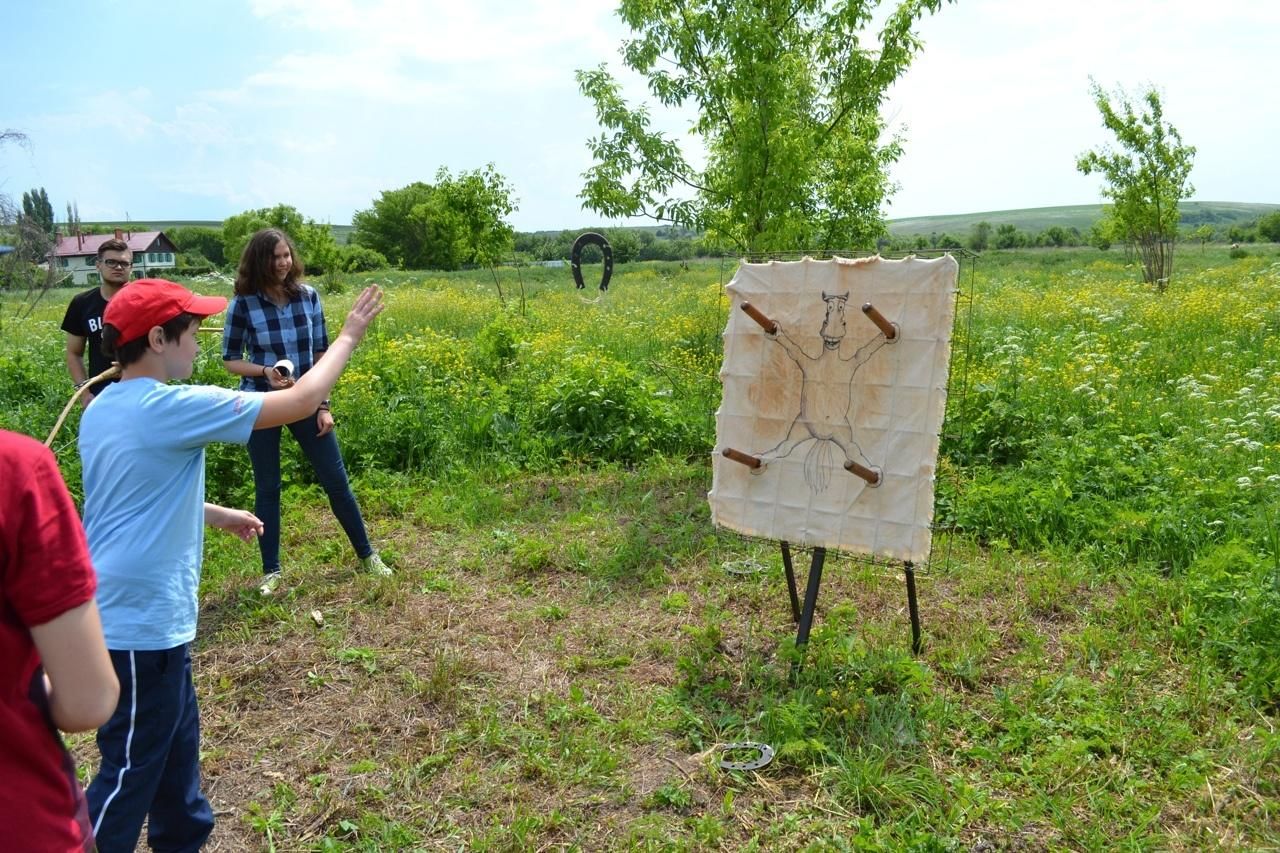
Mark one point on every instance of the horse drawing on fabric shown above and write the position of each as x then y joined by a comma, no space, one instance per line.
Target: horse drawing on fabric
826,395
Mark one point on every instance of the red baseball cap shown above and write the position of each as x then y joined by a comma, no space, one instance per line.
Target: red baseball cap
149,302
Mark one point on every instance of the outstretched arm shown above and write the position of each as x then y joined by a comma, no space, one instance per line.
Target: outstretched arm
864,352
305,397
792,348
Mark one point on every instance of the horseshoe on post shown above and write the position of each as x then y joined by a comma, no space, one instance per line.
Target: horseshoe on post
575,258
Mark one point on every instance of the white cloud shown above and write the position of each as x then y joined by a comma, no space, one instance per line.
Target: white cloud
998,105
325,103
485,46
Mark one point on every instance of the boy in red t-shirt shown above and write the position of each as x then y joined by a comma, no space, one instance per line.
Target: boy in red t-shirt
54,669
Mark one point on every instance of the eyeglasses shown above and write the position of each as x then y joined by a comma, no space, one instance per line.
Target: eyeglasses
116,265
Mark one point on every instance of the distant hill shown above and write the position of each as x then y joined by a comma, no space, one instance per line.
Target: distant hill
1081,216
1032,220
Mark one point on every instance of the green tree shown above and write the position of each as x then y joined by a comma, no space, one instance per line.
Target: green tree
35,226
1102,233
1242,234
1009,237
314,240
1146,179
1269,226
624,243
980,236
1204,233
206,241
360,259
17,269
37,210
1054,235
386,227
788,96
455,222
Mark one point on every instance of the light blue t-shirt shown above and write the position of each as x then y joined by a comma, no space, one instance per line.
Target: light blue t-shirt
142,452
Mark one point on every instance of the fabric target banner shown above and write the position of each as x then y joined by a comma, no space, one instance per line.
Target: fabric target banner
834,382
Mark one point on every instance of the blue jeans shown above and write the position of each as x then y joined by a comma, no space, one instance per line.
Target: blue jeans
151,757
326,461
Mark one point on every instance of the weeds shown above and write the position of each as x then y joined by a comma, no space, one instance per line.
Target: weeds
560,651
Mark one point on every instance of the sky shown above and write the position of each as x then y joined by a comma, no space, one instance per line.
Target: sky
139,110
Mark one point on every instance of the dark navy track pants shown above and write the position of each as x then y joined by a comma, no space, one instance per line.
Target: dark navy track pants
150,758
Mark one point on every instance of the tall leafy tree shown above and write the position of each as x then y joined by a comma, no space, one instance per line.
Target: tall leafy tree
458,220
14,266
386,228
314,239
1145,178
37,210
788,96
1269,226
980,236
206,241
35,225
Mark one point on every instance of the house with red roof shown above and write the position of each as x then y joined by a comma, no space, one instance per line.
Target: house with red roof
76,254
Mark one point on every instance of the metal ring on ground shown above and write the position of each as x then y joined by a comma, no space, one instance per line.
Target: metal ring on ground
575,258
765,756
746,566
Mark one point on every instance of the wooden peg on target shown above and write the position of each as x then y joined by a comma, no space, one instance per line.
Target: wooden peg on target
890,330
756,314
872,477
747,459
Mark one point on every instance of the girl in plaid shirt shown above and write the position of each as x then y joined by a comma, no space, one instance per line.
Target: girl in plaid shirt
275,317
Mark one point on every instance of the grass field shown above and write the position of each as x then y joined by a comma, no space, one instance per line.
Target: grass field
562,649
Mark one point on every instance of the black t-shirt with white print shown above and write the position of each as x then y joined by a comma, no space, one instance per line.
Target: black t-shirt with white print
84,319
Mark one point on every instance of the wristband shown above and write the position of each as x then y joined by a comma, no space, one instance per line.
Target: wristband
264,371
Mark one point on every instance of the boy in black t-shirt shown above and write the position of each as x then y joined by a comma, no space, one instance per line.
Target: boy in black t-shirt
83,320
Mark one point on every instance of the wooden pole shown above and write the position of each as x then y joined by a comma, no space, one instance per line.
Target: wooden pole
890,330
756,314
872,477
745,458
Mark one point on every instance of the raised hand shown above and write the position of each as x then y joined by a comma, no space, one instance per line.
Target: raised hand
368,305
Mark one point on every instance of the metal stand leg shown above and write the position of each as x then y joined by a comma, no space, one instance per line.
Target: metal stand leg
811,596
913,609
791,581
810,604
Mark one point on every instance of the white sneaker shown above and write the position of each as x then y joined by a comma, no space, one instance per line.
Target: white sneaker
269,584
373,565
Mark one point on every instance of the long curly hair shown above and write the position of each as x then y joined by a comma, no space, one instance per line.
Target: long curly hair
258,260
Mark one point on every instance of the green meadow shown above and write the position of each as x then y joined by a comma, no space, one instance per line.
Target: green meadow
567,642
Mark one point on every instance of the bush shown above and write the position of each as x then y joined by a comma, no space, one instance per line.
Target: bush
1269,226
496,346
352,258
591,406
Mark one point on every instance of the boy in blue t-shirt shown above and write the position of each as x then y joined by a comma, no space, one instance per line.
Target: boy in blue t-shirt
142,449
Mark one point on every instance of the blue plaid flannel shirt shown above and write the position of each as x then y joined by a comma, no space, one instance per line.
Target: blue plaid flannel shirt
269,333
